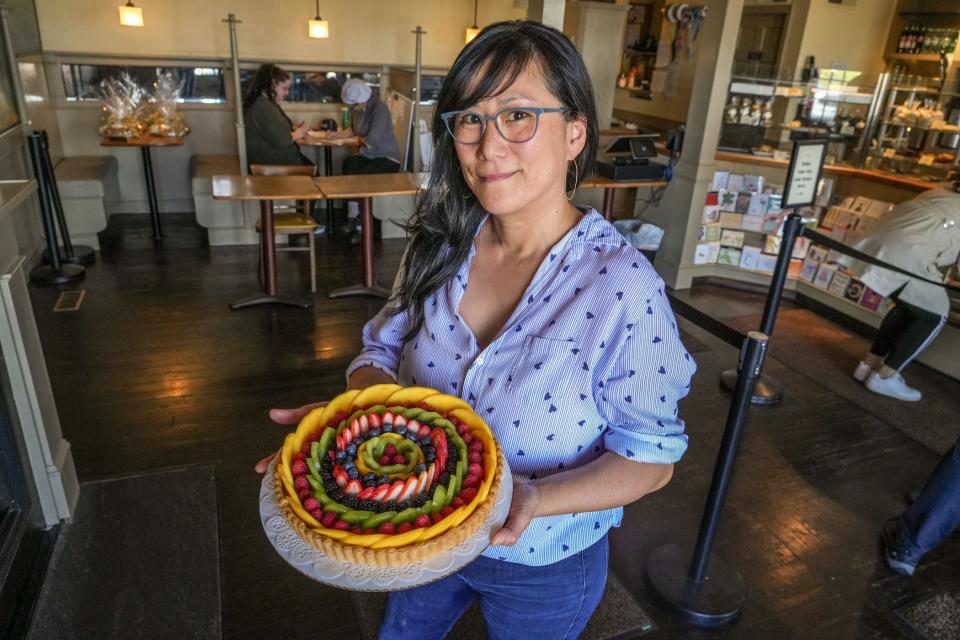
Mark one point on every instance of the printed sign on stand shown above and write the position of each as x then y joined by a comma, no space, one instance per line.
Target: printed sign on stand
803,176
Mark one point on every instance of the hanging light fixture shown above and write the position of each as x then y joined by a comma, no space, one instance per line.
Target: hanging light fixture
318,27
130,16
474,30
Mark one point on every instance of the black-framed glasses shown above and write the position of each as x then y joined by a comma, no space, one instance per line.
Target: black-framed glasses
515,124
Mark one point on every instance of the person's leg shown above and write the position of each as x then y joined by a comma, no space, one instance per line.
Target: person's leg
552,602
923,328
891,329
354,165
380,165
427,612
930,519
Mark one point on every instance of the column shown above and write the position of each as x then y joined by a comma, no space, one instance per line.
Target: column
599,37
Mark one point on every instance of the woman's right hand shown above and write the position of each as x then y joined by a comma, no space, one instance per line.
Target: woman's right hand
286,417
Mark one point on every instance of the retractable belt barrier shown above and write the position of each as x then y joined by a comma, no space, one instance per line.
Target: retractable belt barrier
830,243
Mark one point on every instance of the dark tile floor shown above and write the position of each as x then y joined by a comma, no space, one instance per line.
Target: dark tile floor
155,371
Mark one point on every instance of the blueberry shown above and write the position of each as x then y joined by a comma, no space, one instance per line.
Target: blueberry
430,456
369,483
352,450
341,456
384,480
430,448
370,476
400,429
411,436
373,433
353,473
420,468
425,441
349,464
387,427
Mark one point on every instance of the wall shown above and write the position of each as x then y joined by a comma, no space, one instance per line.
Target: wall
361,31
850,35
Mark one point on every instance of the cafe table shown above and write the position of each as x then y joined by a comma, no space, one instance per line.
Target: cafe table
266,189
610,186
145,142
366,187
317,141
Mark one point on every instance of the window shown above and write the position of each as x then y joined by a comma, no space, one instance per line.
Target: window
200,84
316,86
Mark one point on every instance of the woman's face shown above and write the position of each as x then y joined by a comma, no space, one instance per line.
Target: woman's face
281,89
514,178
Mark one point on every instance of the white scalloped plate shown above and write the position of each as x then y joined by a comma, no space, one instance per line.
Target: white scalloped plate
360,577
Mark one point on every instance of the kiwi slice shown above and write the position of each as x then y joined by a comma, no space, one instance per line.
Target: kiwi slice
356,517
375,521
407,515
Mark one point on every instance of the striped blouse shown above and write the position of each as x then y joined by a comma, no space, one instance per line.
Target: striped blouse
590,361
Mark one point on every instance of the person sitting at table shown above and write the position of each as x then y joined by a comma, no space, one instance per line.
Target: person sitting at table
270,134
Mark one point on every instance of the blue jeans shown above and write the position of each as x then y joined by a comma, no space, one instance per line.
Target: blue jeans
551,602
936,512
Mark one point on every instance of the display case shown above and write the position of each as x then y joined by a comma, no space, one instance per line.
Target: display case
764,116
918,133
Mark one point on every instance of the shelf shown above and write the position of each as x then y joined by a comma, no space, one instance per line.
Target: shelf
917,57
891,123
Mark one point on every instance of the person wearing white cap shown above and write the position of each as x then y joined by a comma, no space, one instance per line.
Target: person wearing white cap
371,121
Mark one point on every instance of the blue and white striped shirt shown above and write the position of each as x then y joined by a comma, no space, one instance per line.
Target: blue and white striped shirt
590,361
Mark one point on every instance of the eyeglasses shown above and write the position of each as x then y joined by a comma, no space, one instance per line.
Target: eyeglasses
514,124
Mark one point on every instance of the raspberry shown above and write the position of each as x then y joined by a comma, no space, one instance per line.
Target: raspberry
317,514
328,519
385,460
463,429
298,468
341,525
310,504
356,529
476,445
446,511
423,520
369,531
457,502
301,482
404,527
389,450
387,528
435,518
475,470
299,457
468,439
469,494
398,459
471,481
305,450
474,456
303,494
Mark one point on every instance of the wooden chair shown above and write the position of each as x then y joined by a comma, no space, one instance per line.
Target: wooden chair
295,222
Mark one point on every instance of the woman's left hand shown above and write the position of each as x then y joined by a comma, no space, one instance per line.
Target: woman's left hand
523,508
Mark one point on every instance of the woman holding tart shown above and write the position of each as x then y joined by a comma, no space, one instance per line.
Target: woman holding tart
541,318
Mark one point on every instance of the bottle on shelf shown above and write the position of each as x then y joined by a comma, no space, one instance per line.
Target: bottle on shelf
809,72
921,36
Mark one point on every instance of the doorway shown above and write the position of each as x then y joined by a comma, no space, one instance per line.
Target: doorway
759,43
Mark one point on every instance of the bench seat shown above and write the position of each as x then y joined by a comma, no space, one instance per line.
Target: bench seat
89,191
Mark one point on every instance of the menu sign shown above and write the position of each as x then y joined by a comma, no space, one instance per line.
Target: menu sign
803,176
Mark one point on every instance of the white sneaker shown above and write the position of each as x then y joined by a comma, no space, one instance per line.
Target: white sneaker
862,371
893,387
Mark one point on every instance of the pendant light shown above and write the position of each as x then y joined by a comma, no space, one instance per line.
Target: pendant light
318,27
130,16
474,30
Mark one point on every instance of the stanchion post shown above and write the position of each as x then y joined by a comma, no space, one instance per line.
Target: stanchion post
691,592
80,254
56,272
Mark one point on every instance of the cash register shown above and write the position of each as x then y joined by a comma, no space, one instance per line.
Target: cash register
628,158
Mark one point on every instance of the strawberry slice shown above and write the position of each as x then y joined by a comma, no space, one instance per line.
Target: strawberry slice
395,490
340,476
399,421
439,438
353,488
380,493
421,483
374,420
409,488
414,426
347,437
430,471
388,418
367,493
355,428
364,424
340,443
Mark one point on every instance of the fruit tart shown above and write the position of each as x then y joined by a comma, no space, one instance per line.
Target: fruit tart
389,475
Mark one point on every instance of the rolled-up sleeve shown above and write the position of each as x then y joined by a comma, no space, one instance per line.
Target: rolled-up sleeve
382,343
648,377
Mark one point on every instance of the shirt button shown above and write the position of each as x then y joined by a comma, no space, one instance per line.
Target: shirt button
479,360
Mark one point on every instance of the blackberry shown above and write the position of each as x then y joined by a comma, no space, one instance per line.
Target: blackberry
444,479
420,500
453,454
429,456
351,503
403,505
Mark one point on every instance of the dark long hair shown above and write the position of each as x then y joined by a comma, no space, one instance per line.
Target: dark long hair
262,83
447,215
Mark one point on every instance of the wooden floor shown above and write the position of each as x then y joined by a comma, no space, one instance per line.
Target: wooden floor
155,371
